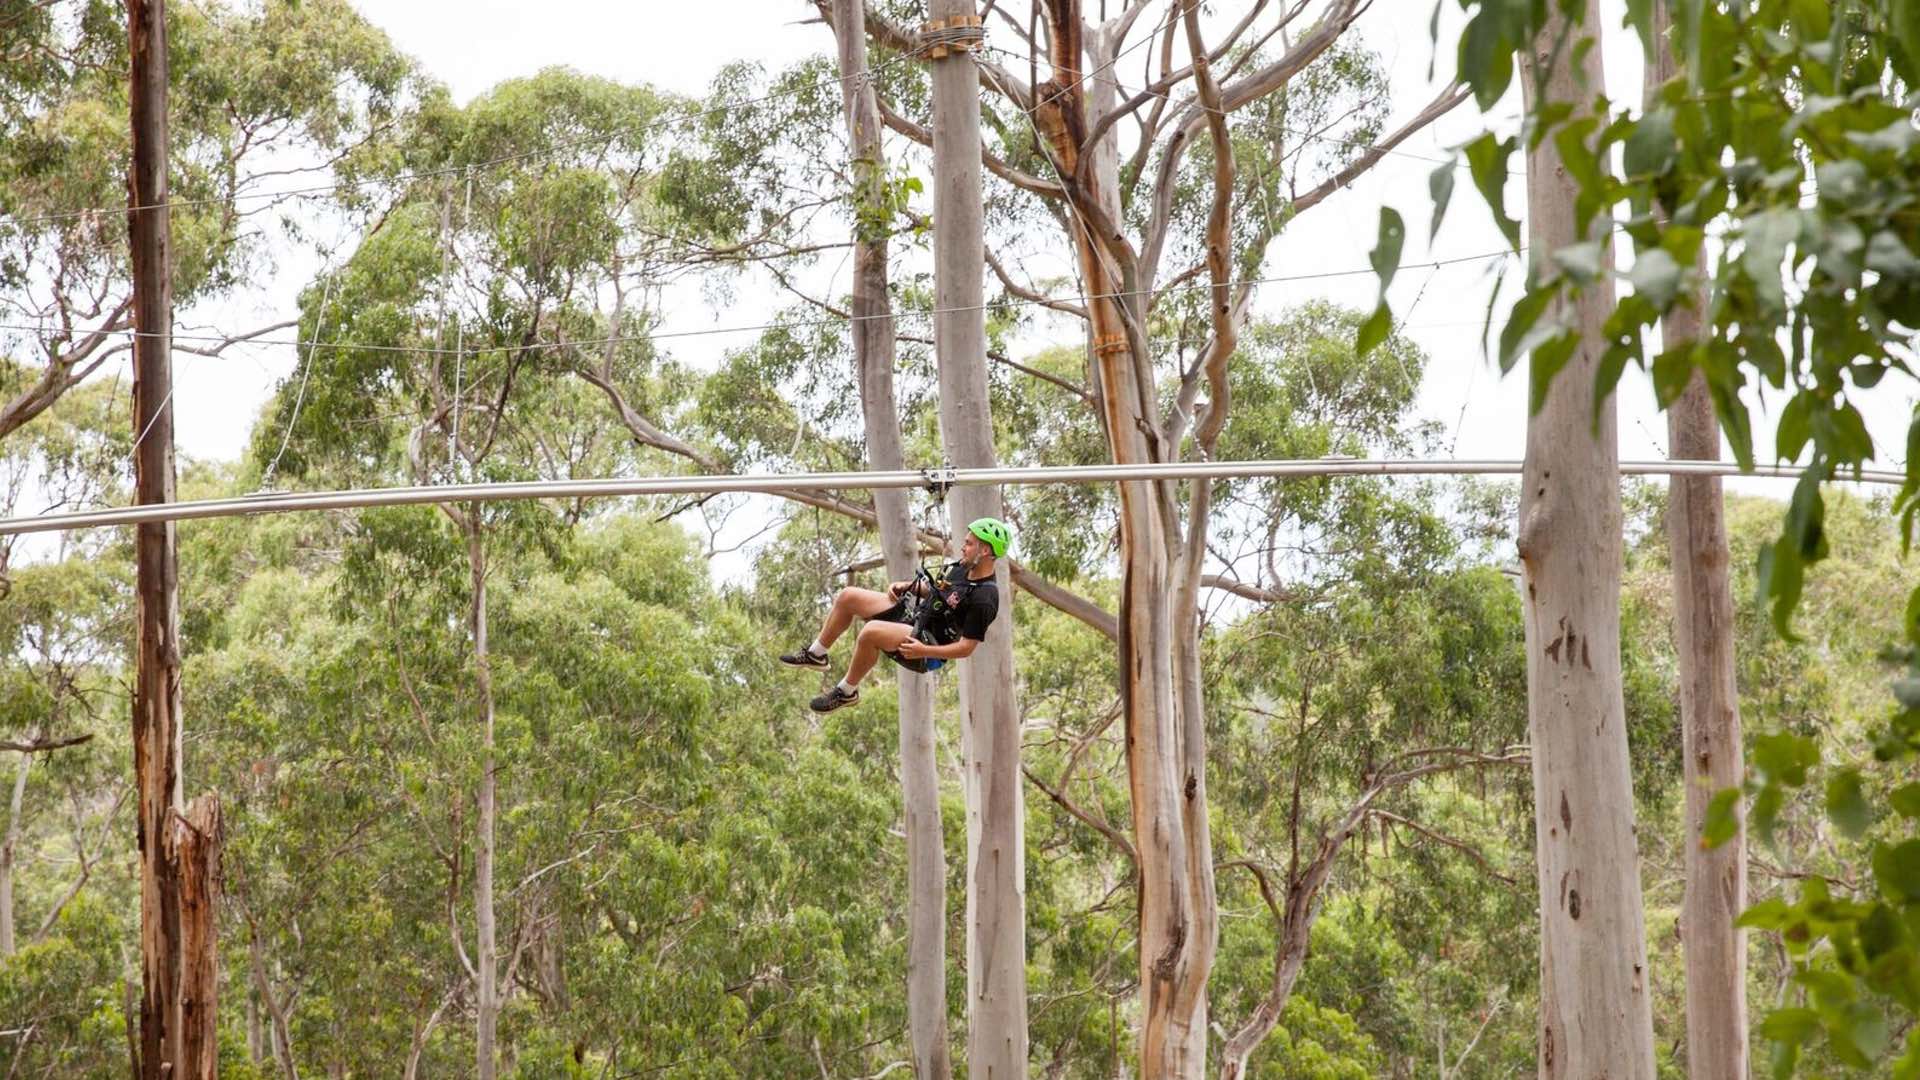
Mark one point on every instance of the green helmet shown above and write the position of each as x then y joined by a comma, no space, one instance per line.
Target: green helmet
995,533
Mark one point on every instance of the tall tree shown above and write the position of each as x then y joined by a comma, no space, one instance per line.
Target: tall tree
1076,114
1711,753
1595,1015
1125,220
996,808
277,89
175,1022
873,331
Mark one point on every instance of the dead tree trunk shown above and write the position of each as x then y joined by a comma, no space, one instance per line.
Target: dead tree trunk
996,857
1716,893
177,1003
1595,1016
873,351
194,847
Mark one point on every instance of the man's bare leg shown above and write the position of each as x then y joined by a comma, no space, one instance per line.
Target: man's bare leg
875,638
848,604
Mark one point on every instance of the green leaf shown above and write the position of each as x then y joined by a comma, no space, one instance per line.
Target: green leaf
1769,914
1766,235
1652,147
1886,254
1846,805
1486,55
1905,800
1906,29
1374,330
1790,1025
1860,1035
1386,252
1897,868
1547,358
1487,159
1515,337
1785,757
1793,432
1640,17
1440,184
1782,576
1582,262
1723,818
1813,18
1656,276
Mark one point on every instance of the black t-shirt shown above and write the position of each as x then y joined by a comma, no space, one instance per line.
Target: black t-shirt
960,608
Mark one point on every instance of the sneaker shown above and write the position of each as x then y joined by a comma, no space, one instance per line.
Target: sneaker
833,699
805,657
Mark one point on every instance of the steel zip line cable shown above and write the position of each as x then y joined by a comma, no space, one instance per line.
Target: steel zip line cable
768,483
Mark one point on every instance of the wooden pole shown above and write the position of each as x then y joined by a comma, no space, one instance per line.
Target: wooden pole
176,1039
996,812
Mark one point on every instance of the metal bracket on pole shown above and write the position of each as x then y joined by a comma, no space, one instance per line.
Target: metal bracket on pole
939,481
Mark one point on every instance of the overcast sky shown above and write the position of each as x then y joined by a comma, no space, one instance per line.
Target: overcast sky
474,44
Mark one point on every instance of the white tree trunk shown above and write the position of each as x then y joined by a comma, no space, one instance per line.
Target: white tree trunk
8,847
1716,951
1595,1017
873,349
996,812
486,993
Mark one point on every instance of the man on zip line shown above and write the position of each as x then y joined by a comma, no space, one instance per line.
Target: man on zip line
919,624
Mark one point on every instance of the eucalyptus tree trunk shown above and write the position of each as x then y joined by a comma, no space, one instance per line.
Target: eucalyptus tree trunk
486,1002
996,811
1716,892
177,1021
1595,1016
1119,222
1174,957
9,845
873,351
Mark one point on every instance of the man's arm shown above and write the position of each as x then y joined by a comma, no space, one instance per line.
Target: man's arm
959,650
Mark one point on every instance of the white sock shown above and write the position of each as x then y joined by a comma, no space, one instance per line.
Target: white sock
816,648
846,687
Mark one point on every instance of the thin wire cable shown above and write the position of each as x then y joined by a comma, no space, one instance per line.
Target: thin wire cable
155,418
698,114
763,484
826,320
306,372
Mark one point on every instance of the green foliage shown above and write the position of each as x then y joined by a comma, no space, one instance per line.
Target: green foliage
1790,130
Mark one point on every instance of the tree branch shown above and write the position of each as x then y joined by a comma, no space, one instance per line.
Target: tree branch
1247,591
1094,823
1021,179
1438,107
1030,295
1441,838
216,350
1064,601
43,745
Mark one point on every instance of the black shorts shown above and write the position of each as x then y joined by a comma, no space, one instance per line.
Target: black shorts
898,614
